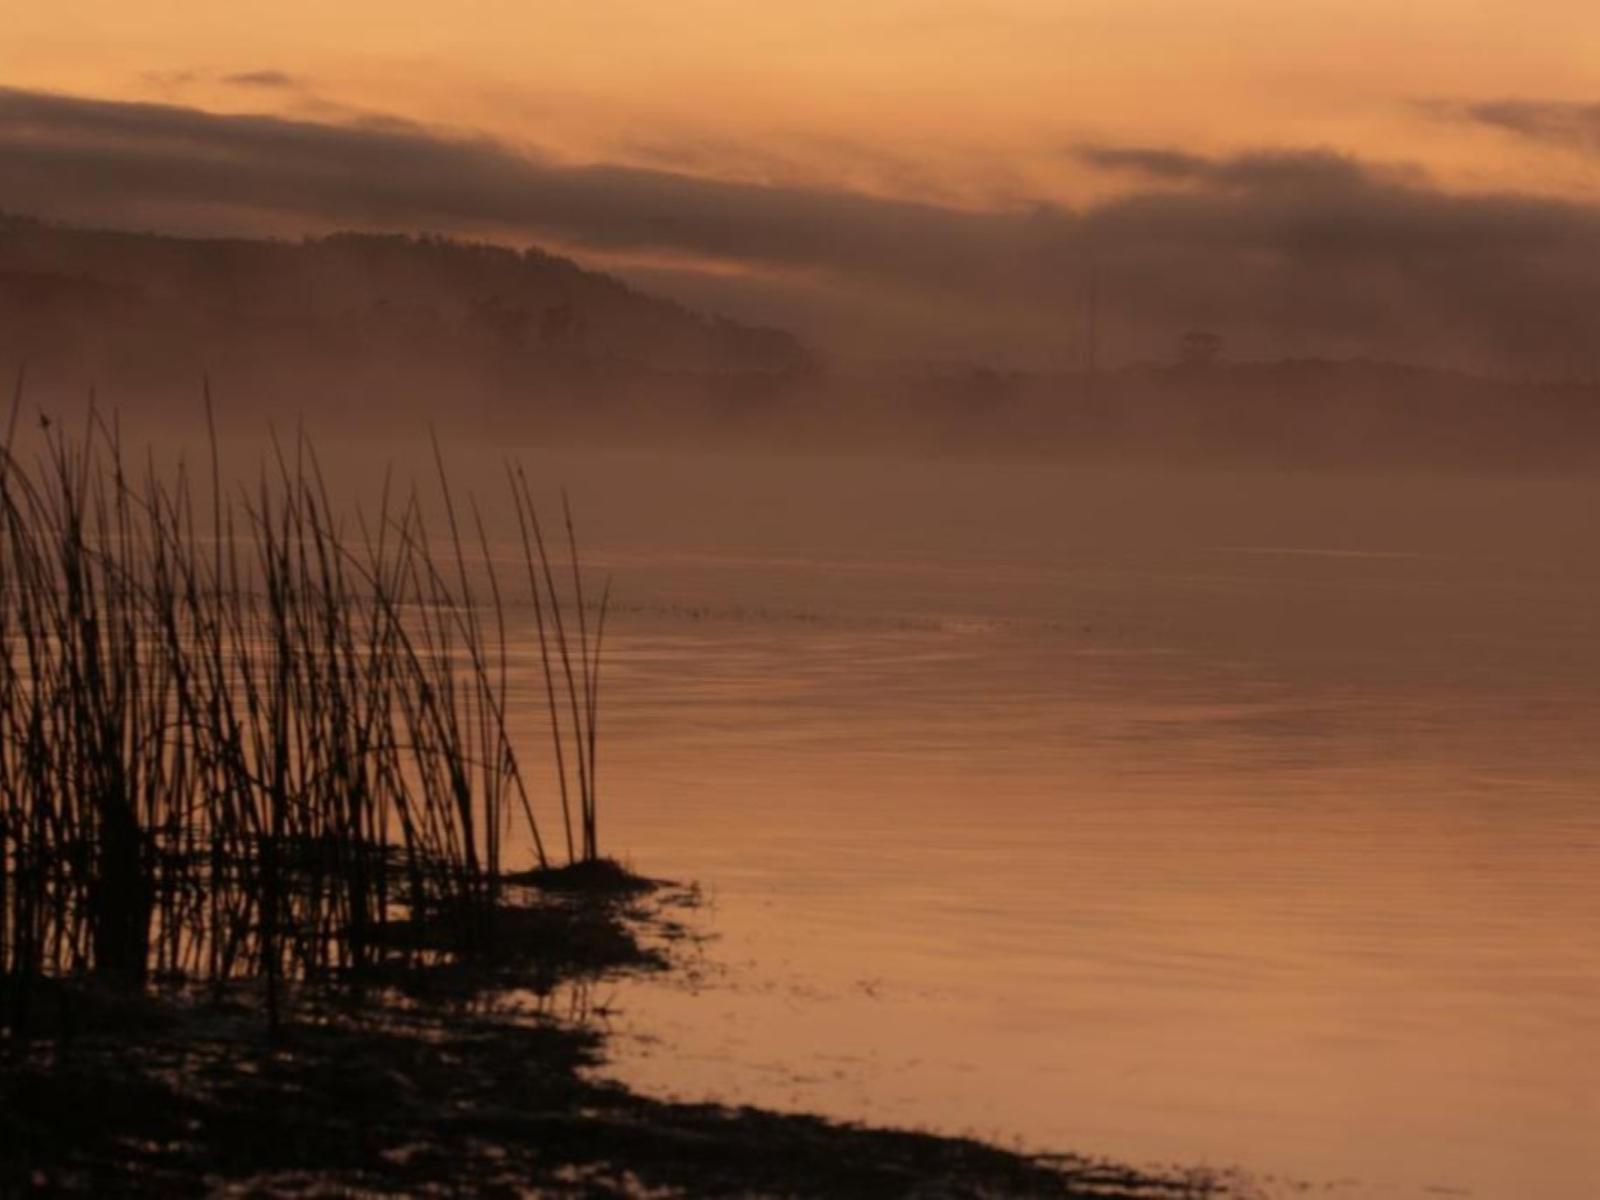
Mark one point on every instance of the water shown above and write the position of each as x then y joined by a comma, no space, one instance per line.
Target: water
1214,818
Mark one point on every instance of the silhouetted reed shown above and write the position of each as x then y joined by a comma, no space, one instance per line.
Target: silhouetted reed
262,741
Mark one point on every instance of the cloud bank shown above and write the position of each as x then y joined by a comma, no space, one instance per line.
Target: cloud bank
1292,253
1567,124
262,79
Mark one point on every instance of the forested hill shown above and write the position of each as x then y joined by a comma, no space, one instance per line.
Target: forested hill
355,320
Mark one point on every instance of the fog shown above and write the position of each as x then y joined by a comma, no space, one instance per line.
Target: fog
359,335
1292,307
1297,251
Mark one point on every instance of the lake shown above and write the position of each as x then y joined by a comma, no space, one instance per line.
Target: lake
1218,817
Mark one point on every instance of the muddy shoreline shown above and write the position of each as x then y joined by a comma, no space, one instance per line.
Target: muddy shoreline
451,1082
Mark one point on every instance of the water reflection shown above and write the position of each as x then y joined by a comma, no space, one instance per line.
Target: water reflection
1267,840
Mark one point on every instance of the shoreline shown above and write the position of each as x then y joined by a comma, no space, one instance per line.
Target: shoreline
454,1082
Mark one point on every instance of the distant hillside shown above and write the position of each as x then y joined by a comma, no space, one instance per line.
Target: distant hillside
388,333
355,322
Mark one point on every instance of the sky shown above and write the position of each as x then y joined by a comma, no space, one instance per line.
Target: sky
1418,179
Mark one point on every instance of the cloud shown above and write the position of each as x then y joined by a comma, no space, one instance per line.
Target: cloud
1151,161
1283,252
63,154
1573,125
954,180
262,79
1275,170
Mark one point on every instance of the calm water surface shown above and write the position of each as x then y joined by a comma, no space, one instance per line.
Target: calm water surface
1228,819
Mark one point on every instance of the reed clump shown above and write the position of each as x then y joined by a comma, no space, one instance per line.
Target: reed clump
242,736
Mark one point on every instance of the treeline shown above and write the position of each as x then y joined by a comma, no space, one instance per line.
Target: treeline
354,325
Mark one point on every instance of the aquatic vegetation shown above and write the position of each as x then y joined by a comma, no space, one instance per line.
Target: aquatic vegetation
243,735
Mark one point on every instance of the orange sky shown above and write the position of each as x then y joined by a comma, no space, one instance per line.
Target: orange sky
957,101
1405,177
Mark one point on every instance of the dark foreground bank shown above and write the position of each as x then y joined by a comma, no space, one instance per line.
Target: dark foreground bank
448,1082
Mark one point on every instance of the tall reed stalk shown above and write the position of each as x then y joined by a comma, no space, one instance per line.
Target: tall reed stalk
263,741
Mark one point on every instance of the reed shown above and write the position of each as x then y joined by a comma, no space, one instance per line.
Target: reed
264,741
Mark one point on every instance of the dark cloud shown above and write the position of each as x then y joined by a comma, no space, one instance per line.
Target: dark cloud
1275,170
1574,125
795,158
1154,162
63,154
262,79
1282,252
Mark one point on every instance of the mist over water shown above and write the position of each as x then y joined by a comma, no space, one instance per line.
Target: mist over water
1220,816
1215,817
